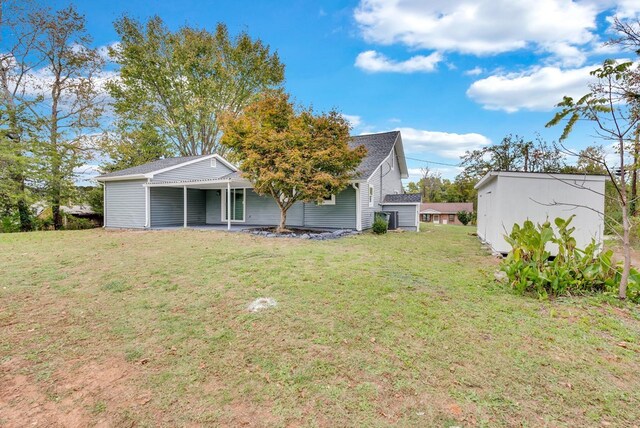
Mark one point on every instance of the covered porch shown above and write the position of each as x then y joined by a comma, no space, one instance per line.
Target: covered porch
219,203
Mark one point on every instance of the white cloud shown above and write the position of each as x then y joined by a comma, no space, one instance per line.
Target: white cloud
475,71
376,62
559,28
103,50
354,120
538,89
444,144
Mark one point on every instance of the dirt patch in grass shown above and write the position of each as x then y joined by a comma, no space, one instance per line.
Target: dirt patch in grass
82,393
129,328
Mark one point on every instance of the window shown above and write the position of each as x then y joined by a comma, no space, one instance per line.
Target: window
370,195
427,217
329,200
213,162
452,218
237,205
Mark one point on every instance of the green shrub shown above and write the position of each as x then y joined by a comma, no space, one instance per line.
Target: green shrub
75,223
9,223
380,225
530,268
465,217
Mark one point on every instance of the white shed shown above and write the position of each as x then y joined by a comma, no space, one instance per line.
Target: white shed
507,198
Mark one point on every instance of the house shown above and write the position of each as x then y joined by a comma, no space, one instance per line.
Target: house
444,212
209,190
508,198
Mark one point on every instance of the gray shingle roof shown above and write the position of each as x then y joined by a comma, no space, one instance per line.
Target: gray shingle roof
150,167
378,147
447,207
403,198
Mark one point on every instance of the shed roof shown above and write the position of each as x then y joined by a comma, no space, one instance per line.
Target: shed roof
538,176
446,207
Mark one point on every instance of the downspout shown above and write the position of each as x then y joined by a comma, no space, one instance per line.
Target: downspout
356,186
147,204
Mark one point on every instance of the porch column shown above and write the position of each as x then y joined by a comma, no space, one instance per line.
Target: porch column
184,199
228,205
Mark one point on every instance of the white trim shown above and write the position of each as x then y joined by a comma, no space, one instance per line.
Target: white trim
358,207
228,204
200,159
244,183
150,174
417,219
104,205
537,175
147,206
371,195
123,177
330,201
393,158
224,204
184,201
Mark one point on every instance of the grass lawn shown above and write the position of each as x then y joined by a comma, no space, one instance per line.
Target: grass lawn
125,328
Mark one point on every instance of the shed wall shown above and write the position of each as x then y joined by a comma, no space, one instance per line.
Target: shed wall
517,199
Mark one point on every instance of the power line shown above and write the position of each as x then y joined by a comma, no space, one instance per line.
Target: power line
433,162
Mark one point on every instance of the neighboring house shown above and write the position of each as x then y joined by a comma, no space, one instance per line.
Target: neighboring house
209,190
42,211
508,198
444,212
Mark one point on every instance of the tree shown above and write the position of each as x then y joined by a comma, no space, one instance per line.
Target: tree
68,101
413,187
612,105
591,160
175,86
52,99
18,36
291,153
513,153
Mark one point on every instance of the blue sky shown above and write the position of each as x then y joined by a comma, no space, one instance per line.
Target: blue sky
451,75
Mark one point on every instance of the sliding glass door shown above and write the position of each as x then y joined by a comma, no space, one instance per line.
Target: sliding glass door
238,198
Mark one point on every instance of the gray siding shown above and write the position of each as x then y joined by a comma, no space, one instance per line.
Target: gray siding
196,207
125,204
201,170
263,211
407,215
385,180
167,208
260,210
213,215
342,215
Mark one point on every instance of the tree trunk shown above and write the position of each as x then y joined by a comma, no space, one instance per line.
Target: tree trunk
283,220
626,226
634,176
